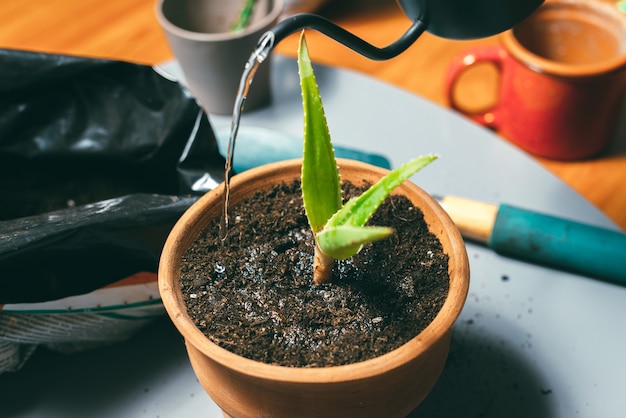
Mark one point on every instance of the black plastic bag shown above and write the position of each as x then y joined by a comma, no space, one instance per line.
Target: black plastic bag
74,131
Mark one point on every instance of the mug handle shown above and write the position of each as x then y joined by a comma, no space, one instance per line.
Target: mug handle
494,54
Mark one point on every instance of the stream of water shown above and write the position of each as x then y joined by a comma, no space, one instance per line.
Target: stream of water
262,51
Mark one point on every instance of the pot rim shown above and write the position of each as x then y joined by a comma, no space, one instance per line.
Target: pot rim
255,26
439,328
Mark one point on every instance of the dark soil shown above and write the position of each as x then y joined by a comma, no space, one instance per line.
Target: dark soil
253,294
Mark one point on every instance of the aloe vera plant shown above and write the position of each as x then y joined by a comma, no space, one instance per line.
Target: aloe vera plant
340,229
243,19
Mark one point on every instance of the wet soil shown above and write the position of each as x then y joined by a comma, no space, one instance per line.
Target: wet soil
253,294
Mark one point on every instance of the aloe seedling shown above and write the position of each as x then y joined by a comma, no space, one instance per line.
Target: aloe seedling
243,19
340,229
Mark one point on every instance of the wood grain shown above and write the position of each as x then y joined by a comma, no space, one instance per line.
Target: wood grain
128,30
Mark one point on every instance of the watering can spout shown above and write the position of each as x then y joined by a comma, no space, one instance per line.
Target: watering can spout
454,19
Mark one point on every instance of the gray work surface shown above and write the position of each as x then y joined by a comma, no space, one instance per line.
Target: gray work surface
530,342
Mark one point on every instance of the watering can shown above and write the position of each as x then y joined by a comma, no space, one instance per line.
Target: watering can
453,19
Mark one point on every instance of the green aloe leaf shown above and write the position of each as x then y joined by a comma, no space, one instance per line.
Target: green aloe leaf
321,188
342,242
243,19
357,211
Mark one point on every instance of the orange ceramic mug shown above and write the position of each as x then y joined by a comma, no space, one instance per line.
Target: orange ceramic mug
562,78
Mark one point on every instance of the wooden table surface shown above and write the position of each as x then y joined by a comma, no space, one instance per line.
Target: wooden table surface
128,30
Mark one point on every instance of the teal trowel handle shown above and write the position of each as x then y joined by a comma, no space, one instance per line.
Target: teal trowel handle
560,243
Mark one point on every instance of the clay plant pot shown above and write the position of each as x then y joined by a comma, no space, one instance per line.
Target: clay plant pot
390,385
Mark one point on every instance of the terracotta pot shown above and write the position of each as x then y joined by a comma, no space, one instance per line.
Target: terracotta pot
390,385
